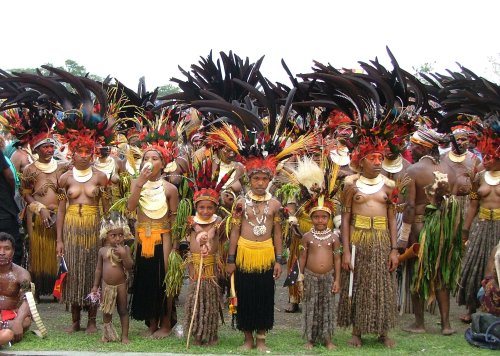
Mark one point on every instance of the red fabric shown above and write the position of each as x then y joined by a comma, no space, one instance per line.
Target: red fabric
58,285
8,315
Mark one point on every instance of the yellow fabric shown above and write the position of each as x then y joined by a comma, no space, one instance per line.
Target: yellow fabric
369,222
82,216
255,256
149,235
208,269
489,214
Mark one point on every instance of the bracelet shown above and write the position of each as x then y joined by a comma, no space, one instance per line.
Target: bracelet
279,259
231,259
5,324
394,248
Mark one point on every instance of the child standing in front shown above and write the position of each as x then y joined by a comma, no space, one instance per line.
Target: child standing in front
113,265
320,262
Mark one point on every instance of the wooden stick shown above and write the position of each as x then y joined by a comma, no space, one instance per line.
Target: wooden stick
351,274
198,283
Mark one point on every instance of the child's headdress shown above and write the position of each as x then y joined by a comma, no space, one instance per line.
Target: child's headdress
113,222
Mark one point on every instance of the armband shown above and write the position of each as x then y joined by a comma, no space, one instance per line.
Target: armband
473,196
236,221
338,251
346,209
277,219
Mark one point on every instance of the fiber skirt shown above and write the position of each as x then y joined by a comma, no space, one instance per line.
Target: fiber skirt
372,309
318,314
483,237
43,261
81,246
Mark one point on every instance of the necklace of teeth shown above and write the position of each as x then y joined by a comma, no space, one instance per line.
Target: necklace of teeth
260,228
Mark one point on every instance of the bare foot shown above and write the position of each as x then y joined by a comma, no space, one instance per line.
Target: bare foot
330,345
413,328
161,333
125,340
247,345
213,342
308,345
294,308
148,333
91,329
447,331
387,341
466,318
103,339
355,341
73,328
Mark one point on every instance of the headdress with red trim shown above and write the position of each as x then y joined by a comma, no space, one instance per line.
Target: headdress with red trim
240,95
29,110
382,104
160,135
206,183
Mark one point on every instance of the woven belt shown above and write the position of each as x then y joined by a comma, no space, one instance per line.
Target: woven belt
489,214
369,222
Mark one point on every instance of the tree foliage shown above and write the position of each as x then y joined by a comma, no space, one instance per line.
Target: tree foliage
70,66
167,89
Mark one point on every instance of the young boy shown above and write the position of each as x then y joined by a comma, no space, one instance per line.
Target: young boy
204,244
113,265
320,261
255,255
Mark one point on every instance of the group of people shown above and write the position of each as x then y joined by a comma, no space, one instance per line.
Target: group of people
366,185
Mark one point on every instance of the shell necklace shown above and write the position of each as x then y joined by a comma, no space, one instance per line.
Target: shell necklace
260,228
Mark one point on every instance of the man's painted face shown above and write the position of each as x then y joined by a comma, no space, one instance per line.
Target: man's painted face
45,151
226,155
6,252
462,141
418,151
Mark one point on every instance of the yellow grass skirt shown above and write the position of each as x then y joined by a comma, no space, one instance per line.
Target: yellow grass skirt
254,256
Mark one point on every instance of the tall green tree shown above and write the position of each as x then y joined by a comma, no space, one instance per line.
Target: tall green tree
167,89
70,66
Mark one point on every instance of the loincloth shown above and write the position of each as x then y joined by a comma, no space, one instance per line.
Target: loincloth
109,296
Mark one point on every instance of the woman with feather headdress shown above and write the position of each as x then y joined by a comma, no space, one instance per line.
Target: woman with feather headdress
81,190
155,201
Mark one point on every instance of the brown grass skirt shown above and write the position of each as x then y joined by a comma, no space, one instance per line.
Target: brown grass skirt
483,237
81,246
206,320
372,309
43,259
318,315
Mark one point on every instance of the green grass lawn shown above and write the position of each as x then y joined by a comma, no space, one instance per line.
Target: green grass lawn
282,340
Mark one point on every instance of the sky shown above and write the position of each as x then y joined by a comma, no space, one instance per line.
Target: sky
129,39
